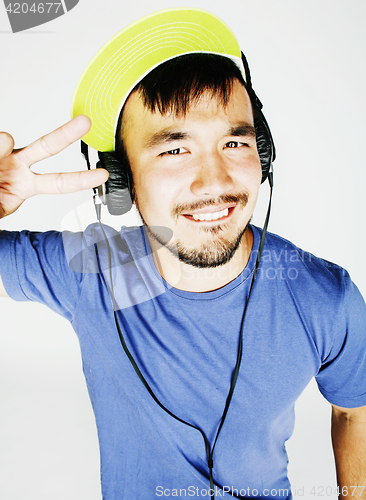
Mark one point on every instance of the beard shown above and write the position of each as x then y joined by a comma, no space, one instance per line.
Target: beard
207,255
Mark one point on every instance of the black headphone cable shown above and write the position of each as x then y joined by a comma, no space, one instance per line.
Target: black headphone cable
209,449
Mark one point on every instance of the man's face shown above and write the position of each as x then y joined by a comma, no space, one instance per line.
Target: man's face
197,175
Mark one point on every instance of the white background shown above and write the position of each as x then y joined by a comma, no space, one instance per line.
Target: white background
307,59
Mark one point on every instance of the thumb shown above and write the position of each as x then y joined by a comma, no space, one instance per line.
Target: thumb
6,144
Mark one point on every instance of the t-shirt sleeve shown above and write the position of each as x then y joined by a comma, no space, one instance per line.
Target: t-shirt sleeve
342,376
33,267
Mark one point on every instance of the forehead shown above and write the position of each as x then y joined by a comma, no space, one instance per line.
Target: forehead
138,118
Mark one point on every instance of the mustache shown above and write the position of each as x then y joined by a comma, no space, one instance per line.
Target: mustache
186,208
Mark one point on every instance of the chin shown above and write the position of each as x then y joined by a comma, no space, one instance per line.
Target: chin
213,253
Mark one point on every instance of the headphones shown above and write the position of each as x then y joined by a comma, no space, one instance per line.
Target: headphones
116,193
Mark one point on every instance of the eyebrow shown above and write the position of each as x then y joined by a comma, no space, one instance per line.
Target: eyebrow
243,129
166,135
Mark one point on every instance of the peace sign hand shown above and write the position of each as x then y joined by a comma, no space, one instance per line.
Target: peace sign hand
18,182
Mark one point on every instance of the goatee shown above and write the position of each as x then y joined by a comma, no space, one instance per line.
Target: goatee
208,255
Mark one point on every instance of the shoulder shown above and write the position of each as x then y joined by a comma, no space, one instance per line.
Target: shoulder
302,267
325,298
103,243
314,284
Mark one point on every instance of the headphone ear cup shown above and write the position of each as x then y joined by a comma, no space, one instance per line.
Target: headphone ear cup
265,146
118,186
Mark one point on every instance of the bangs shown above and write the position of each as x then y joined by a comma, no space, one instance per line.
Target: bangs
177,84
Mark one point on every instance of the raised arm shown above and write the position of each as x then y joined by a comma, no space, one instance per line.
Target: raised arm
18,182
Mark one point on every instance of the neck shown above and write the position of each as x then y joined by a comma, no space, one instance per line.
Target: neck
193,279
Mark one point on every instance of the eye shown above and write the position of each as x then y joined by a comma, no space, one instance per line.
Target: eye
176,151
235,144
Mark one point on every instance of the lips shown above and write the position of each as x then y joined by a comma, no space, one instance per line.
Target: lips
210,210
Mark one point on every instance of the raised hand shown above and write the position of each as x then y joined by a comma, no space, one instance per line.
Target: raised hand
18,182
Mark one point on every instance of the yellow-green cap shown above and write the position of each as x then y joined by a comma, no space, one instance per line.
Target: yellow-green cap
132,53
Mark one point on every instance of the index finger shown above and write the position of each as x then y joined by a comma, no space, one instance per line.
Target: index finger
56,141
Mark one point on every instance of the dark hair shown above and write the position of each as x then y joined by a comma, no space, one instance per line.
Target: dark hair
178,83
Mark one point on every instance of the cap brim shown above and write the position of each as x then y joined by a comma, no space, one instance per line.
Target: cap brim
132,53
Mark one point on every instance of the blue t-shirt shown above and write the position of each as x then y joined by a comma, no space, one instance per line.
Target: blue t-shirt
305,318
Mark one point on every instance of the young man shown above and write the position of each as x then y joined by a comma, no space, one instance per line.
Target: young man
193,368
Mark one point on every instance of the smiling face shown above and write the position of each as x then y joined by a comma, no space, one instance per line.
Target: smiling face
196,174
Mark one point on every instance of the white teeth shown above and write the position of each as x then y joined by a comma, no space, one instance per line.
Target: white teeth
211,216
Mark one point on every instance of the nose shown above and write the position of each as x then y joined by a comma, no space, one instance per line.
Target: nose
212,176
